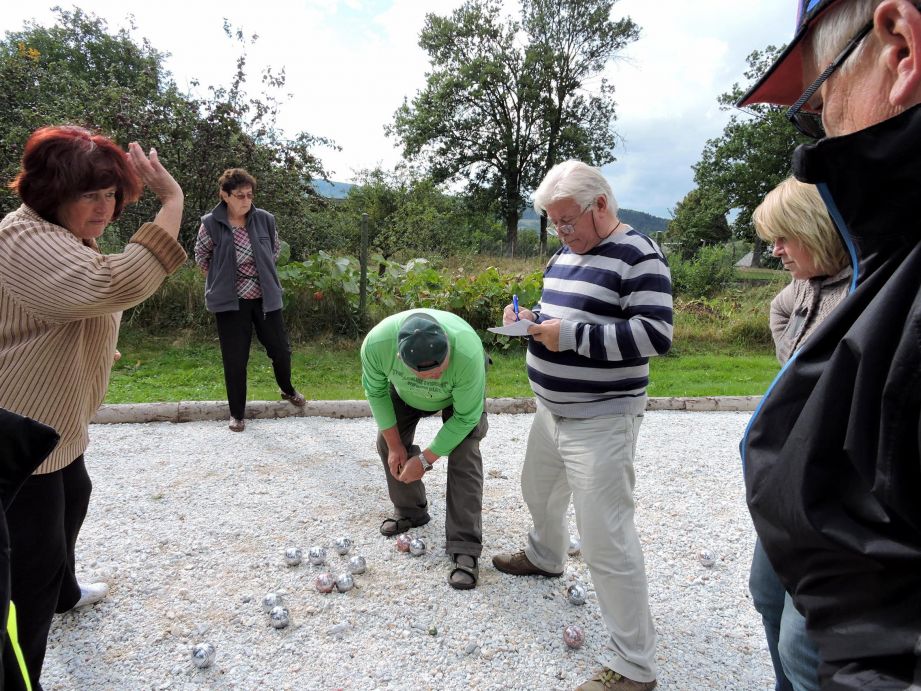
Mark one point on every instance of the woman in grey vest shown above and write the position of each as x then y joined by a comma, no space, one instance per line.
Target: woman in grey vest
237,247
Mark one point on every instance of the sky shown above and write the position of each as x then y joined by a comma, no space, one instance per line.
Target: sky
350,63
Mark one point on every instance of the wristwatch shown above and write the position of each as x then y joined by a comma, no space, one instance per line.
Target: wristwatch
426,466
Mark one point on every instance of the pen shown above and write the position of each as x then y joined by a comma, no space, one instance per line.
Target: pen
515,307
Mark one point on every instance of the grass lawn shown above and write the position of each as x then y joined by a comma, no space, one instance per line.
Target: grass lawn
188,369
712,375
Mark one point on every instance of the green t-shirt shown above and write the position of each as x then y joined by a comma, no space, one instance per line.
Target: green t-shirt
462,385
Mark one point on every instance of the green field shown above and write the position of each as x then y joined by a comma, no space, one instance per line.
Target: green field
182,369
722,347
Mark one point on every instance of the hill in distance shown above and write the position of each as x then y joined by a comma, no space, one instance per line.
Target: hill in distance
640,220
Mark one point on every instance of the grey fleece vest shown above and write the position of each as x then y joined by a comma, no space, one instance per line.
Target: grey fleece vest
220,285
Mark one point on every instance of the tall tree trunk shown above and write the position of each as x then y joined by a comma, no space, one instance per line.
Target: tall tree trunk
757,251
543,236
511,231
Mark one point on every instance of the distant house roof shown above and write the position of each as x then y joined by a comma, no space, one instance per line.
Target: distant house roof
746,260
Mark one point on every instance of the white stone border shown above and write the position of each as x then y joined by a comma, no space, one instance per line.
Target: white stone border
189,411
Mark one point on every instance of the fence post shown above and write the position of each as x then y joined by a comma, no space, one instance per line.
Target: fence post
363,281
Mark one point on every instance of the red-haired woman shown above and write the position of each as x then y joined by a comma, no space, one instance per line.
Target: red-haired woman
60,306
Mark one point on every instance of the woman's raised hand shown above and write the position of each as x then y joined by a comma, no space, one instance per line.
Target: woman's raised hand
162,184
153,174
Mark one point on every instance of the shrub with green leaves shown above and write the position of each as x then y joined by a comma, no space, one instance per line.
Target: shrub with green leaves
707,273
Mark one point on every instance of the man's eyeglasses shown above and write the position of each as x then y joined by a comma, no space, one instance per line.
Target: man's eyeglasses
808,123
241,196
565,228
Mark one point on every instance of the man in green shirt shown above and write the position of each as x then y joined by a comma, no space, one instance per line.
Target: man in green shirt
414,364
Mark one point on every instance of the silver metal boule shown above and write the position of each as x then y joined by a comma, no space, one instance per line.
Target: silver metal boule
343,545
344,582
403,542
573,636
576,594
271,600
358,565
293,556
203,655
324,582
279,617
575,546
417,547
707,558
317,555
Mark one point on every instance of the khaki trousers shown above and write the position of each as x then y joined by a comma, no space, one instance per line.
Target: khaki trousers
591,461
464,491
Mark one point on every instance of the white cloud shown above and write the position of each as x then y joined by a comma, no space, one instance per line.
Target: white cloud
350,63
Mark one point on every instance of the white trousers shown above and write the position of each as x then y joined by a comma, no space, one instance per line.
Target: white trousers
591,460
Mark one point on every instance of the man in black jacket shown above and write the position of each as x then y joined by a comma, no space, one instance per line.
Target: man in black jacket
831,457
24,444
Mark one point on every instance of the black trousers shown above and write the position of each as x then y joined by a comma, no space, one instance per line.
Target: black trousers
235,331
44,522
464,490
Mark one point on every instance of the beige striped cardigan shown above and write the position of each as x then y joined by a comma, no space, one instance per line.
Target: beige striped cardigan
60,306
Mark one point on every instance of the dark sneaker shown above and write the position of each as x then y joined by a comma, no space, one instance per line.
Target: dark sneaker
518,564
608,680
237,425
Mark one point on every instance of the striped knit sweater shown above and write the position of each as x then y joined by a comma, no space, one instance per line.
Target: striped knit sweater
614,304
60,307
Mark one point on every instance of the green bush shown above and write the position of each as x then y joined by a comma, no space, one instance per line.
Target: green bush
705,275
751,331
178,304
322,296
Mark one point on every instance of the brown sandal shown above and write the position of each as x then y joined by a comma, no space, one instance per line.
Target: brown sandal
473,572
395,526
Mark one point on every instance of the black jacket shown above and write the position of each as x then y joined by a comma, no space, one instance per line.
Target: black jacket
831,457
24,445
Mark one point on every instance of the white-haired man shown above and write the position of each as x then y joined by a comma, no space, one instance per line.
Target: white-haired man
831,458
606,307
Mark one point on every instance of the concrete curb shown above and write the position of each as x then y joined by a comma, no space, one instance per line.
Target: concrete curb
191,411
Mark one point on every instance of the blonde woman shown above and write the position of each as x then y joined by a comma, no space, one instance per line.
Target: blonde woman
794,219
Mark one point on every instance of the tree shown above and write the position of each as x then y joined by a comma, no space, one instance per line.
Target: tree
506,97
699,220
78,72
573,42
753,154
407,213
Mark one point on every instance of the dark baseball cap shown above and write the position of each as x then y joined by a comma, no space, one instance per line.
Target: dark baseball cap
423,344
783,84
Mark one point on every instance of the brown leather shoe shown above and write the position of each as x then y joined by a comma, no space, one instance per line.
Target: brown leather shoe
236,425
609,680
295,398
518,564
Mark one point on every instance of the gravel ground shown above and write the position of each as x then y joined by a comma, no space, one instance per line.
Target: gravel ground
189,524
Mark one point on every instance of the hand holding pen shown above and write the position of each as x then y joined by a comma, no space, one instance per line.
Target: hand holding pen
513,313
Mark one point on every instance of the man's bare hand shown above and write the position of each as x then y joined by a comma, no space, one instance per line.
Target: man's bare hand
508,315
412,471
396,459
547,333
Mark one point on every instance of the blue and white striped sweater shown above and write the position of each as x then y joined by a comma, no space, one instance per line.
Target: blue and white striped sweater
615,307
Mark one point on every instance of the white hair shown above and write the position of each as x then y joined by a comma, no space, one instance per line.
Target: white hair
836,28
573,180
